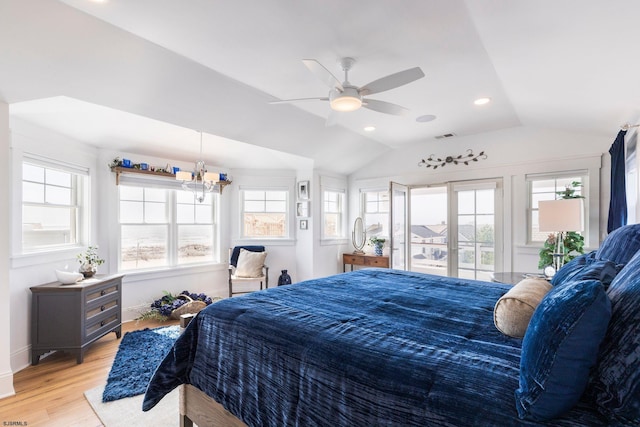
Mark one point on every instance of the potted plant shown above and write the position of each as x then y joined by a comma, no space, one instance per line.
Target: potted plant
89,261
377,243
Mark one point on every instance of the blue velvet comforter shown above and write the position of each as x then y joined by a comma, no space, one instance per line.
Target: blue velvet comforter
369,348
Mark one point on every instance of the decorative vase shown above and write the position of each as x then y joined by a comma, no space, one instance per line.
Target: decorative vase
378,249
88,270
284,278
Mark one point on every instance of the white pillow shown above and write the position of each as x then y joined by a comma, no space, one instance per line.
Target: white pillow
513,311
250,263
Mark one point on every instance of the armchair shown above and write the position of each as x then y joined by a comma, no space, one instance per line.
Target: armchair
246,264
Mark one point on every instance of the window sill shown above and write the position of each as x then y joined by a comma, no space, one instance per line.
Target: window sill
264,242
38,258
145,275
336,241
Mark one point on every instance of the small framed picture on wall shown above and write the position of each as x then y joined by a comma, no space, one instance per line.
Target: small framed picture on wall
302,209
303,190
303,224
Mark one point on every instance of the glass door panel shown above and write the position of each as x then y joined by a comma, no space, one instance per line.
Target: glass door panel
398,227
428,247
476,232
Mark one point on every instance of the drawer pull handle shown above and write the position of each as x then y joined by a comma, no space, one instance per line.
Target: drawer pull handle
103,292
102,323
102,308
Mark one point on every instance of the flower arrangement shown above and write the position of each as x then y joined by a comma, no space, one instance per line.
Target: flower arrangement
377,241
164,307
90,257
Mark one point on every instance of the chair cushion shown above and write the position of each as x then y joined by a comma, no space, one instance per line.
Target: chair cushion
250,263
621,245
560,347
235,253
616,381
514,309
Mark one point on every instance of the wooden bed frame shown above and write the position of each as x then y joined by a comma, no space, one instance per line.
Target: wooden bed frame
196,407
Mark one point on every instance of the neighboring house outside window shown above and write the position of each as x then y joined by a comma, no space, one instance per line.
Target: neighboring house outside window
165,227
54,199
545,187
264,213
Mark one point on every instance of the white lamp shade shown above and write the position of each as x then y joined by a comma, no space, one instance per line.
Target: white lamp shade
560,215
184,176
212,176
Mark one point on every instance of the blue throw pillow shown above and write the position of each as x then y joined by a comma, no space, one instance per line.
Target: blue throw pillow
560,347
571,268
621,245
616,382
604,271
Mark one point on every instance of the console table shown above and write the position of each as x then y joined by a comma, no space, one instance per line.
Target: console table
71,317
365,260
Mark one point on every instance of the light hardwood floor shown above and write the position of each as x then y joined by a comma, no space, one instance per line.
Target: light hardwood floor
51,393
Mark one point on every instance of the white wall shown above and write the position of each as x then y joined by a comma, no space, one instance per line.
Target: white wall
6,375
511,154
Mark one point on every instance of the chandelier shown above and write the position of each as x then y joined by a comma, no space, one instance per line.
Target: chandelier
200,181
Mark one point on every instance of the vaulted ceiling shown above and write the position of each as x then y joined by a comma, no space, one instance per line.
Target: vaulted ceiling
141,76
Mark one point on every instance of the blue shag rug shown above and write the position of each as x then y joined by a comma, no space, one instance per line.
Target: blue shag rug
139,353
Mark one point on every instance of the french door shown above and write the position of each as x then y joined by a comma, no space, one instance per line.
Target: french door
454,229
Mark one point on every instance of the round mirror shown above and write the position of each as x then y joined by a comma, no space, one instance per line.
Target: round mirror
358,235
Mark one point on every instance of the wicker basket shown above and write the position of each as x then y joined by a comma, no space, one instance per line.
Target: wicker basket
190,307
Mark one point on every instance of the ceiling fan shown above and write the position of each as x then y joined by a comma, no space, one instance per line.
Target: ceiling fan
347,97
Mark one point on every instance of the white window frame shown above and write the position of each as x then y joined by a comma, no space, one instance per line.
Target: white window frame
287,213
584,191
80,194
171,188
363,210
334,185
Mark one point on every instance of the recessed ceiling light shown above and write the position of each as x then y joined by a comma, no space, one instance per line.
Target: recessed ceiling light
482,101
426,118
369,128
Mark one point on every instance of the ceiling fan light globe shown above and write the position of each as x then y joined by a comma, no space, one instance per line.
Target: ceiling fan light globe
346,103
348,100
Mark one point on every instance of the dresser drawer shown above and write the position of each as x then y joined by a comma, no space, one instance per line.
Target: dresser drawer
353,259
105,292
377,262
93,312
98,326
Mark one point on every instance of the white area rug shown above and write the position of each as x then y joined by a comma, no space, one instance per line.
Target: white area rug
127,412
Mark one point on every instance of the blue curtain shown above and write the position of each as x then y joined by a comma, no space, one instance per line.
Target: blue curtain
618,202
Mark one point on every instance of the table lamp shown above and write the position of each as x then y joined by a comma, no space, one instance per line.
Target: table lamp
560,216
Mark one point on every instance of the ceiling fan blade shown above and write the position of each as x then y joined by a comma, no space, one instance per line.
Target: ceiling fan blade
392,81
384,107
287,101
323,74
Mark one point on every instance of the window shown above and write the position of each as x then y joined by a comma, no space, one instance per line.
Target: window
264,213
375,212
333,214
545,187
53,197
163,227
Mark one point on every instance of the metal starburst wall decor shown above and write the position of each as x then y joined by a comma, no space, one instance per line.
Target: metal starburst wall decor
436,162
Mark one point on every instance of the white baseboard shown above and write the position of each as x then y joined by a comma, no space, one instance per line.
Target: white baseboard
6,385
21,358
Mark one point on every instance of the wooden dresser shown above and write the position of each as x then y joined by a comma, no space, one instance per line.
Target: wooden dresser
364,260
71,317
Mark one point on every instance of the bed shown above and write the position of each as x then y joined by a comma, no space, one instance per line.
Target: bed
387,347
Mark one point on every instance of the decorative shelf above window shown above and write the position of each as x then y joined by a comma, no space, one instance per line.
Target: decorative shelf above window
118,170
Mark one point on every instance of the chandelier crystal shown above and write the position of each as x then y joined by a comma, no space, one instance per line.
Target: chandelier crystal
200,181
